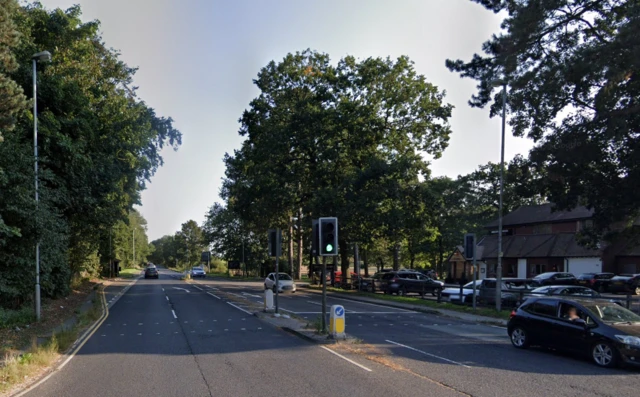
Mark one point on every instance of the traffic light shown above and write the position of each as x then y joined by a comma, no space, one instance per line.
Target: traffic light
315,237
275,238
328,236
469,245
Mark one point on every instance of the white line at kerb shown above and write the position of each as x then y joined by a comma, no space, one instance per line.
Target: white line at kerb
239,308
346,359
217,297
428,354
174,314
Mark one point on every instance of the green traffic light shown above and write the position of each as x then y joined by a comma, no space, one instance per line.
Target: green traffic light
329,247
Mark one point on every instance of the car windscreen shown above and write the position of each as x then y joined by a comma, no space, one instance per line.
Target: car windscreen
543,276
284,276
612,313
541,290
586,276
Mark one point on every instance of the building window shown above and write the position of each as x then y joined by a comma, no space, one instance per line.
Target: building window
538,269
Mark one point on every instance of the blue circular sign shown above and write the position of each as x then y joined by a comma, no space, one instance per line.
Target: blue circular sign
339,311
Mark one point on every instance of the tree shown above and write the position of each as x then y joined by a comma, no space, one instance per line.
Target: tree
572,68
320,136
191,242
98,146
12,99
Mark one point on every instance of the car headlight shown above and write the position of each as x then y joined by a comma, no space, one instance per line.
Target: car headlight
629,340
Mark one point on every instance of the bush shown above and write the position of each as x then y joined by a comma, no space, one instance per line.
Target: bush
19,317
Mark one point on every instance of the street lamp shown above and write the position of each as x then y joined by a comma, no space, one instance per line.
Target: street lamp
503,84
44,56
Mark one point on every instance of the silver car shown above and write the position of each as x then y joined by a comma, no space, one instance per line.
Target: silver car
198,272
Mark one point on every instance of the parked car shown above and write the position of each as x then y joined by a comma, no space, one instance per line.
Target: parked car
597,281
151,272
565,290
513,290
407,282
625,283
285,283
198,271
453,294
607,333
555,278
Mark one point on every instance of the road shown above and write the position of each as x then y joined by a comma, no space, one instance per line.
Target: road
475,359
167,337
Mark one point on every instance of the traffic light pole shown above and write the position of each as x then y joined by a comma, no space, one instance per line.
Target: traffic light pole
324,294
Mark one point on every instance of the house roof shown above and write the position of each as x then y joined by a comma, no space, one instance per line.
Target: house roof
562,245
532,214
460,248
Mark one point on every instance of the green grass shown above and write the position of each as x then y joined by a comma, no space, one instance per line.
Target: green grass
20,317
480,311
129,273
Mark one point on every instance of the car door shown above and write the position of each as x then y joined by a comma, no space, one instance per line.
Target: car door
568,334
543,314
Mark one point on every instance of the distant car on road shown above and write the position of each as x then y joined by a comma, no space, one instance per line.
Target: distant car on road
285,283
151,272
198,272
604,331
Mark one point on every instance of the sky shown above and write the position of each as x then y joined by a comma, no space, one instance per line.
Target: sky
197,60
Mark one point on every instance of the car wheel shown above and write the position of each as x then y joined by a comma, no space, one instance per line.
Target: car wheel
436,291
604,355
402,291
274,289
519,338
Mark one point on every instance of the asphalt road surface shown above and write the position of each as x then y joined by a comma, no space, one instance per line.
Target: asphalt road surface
475,359
167,337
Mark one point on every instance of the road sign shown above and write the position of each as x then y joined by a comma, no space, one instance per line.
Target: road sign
337,321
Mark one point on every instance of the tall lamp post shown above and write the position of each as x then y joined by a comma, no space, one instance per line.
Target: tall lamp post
44,56
503,84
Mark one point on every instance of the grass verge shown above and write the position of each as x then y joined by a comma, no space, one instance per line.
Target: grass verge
129,273
480,311
17,366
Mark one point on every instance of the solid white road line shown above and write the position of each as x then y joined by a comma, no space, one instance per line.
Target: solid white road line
428,354
239,308
346,359
217,297
174,314
195,286
166,297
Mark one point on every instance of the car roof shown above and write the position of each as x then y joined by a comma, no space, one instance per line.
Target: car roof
569,298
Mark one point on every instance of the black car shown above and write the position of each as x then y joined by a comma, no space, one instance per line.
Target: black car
406,282
626,283
604,331
554,278
151,272
597,281
565,290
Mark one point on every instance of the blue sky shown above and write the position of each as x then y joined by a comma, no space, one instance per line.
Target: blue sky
197,59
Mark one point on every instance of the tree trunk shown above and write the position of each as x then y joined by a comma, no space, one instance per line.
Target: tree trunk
440,254
396,257
412,258
300,243
365,263
344,261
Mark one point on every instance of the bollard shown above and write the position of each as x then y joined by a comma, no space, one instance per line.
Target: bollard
337,322
268,301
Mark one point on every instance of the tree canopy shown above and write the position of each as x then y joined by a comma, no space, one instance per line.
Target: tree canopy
572,71
99,144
